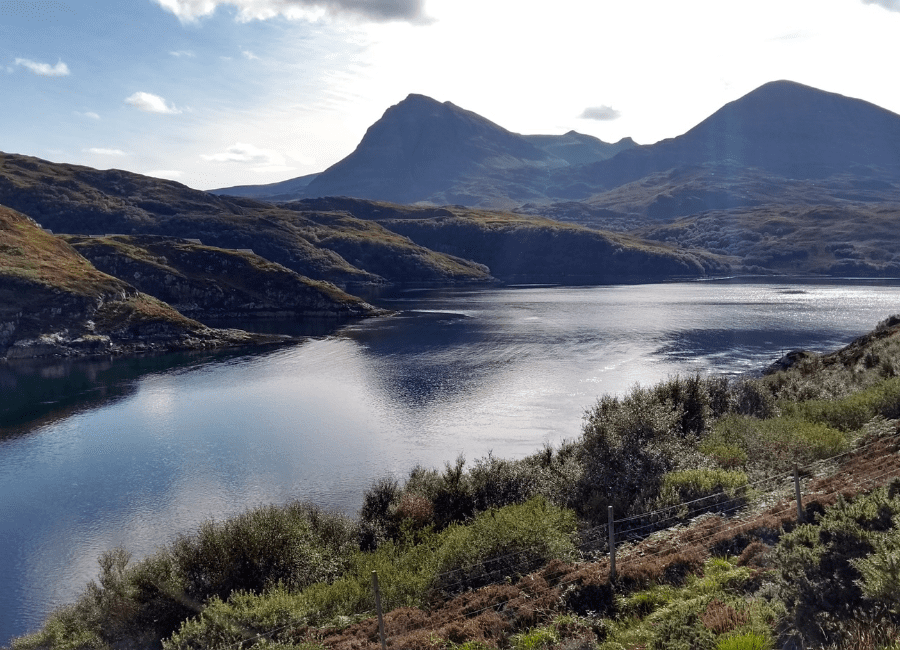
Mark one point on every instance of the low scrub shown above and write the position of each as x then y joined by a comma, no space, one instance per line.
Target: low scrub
497,544
774,444
694,491
843,567
709,610
137,603
852,412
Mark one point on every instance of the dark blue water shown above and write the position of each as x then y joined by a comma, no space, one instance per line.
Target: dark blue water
132,451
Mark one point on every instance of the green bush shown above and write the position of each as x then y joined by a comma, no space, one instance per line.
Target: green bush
852,412
139,604
775,444
496,544
377,516
825,569
627,447
709,489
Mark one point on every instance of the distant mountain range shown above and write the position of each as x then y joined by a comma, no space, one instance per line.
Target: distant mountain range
787,179
425,151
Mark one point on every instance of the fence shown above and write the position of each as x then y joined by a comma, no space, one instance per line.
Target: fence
783,491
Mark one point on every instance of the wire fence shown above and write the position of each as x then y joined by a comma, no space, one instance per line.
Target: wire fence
772,495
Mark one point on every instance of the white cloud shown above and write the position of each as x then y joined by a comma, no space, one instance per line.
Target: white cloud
374,10
250,55
170,174
45,69
890,5
183,53
262,160
90,114
105,152
151,103
602,113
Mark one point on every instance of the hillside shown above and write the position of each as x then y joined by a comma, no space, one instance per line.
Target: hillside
209,283
518,248
342,242
80,200
54,302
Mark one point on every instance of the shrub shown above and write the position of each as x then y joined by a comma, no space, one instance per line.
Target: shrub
504,542
627,447
818,565
139,604
852,412
377,516
708,489
775,444
508,541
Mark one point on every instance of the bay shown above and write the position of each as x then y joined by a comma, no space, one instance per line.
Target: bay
131,452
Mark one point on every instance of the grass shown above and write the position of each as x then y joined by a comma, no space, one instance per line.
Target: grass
32,255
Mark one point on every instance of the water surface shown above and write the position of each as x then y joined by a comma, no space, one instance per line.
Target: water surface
133,451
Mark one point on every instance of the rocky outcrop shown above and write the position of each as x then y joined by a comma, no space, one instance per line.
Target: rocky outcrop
53,302
209,283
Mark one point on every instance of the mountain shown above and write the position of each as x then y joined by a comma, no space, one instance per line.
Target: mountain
783,128
424,150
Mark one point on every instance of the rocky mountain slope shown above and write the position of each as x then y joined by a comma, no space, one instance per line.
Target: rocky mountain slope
54,302
209,283
346,243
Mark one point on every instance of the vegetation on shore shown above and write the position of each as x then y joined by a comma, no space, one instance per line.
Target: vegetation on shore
509,554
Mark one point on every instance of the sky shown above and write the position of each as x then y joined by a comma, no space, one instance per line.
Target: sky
216,93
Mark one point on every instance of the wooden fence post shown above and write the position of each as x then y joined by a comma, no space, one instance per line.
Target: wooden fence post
797,492
378,609
612,545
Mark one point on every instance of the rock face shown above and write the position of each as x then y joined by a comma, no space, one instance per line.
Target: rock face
53,302
208,283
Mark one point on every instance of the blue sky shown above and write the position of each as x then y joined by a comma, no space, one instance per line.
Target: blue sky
214,93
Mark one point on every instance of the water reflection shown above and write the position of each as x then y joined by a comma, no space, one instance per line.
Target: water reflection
41,391
132,451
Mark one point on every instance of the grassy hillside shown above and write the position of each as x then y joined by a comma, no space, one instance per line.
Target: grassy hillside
80,200
54,302
520,248
343,241
206,282
511,554
840,225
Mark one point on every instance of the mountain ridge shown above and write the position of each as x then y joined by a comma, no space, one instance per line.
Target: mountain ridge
422,150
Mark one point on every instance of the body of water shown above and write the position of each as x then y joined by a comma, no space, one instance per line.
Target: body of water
131,452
